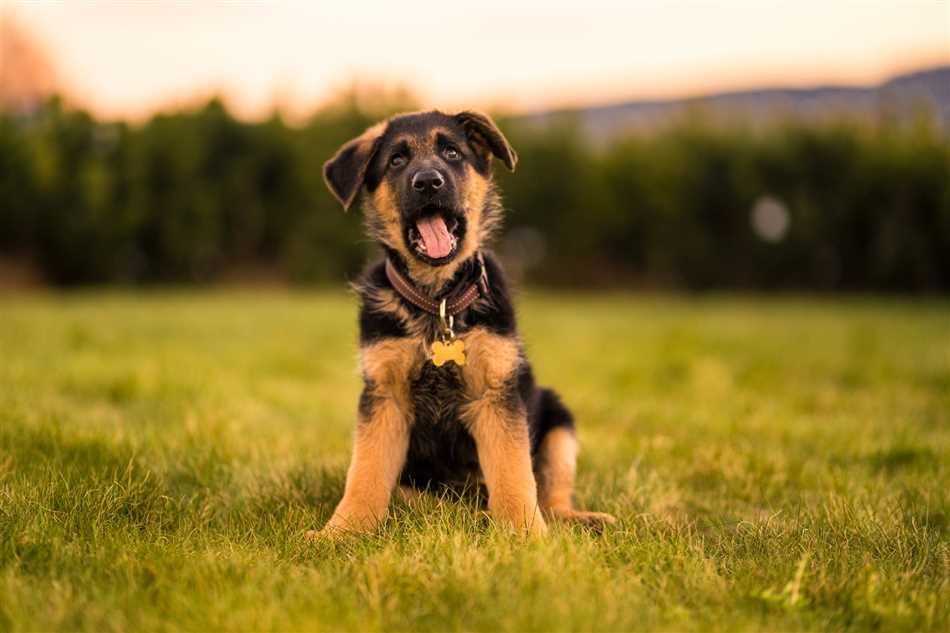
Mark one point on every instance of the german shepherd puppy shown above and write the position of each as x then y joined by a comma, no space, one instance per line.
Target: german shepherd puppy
449,397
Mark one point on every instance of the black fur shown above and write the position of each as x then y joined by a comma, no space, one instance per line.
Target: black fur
345,173
480,129
441,451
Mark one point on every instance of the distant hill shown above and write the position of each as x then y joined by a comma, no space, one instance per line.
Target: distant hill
902,96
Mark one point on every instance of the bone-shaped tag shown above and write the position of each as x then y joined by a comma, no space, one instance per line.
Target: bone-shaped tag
445,352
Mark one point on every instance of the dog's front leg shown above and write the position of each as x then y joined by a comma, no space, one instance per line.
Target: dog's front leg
504,454
379,453
381,440
497,420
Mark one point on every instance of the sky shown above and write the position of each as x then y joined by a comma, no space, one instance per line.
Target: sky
129,59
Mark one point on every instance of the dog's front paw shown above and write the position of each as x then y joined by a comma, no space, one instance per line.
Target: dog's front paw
535,526
347,522
327,534
529,523
317,536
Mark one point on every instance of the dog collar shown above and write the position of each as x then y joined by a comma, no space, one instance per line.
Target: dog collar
458,300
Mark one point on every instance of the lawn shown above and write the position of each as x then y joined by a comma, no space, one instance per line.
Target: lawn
776,464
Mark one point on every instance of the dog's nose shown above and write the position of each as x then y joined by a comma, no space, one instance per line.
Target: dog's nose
427,180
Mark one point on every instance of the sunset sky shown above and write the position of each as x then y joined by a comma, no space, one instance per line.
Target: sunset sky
132,58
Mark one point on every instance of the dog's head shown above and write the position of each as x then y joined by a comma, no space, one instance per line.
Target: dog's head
428,181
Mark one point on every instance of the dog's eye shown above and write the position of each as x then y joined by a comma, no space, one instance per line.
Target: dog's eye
451,153
397,160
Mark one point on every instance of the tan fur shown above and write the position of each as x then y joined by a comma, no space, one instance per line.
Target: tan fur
473,198
383,223
432,278
382,218
501,435
504,454
474,192
389,366
415,143
379,453
382,439
497,421
557,457
435,131
492,360
408,495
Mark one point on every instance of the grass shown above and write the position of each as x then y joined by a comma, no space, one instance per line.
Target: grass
779,464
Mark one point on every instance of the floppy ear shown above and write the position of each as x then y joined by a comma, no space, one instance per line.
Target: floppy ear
346,171
481,130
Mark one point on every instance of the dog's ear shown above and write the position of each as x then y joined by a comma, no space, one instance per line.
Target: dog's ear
483,132
346,171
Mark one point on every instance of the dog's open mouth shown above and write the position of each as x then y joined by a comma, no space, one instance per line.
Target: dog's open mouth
436,235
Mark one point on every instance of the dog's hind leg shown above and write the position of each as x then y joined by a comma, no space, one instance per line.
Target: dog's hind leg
556,465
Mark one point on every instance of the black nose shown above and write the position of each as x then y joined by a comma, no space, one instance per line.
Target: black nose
427,180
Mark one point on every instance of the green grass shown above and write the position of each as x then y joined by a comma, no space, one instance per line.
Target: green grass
778,464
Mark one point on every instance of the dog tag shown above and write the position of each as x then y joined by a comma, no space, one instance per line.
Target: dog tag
444,352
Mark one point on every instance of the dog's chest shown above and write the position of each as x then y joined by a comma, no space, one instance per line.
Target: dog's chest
440,447
436,394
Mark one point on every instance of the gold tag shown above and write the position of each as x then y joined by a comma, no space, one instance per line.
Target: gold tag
445,352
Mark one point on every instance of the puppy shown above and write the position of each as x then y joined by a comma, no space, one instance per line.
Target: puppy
448,394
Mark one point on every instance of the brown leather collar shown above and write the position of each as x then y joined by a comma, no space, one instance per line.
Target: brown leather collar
459,299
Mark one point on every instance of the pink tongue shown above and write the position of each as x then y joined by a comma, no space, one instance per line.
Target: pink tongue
435,235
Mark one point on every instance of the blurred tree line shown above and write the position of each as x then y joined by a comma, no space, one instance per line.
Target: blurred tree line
197,195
